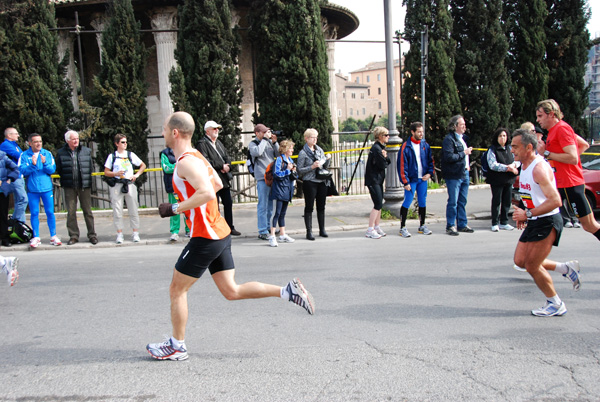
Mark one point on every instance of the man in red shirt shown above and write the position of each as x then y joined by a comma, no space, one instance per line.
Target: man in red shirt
562,150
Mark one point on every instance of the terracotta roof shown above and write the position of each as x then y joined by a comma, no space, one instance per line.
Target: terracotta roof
376,65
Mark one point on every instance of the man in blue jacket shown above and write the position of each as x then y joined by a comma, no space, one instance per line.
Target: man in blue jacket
37,164
455,169
415,168
14,151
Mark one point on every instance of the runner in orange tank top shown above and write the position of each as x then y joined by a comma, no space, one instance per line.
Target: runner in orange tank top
196,184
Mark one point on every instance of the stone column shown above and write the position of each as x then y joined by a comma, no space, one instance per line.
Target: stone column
166,42
330,31
98,23
65,44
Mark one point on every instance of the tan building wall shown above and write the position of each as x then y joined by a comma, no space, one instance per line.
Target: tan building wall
374,75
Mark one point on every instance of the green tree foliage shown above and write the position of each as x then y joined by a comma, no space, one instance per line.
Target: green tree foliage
292,81
206,84
34,93
120,88
567,49
525,62
441,95
480,75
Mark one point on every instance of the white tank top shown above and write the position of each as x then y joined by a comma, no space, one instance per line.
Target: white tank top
531,192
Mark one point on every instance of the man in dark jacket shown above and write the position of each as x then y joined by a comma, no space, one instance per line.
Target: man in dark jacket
455,170
74,164
214,151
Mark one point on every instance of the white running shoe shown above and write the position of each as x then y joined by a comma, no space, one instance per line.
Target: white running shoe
166,351
272,241
55,241
404,232
135,237
577,225
379,231
573,274
518,268
568,225
286,239
10,267
424,230
119,238
506,227
35,242
495,228
300,296
371,234
174,237
550,310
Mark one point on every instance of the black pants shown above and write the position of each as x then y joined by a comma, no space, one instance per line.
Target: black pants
314,190
501,200
3,216
224,196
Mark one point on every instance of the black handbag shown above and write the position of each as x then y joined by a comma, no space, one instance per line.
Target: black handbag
323,174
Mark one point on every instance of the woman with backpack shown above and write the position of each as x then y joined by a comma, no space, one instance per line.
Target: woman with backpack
282,190
501,176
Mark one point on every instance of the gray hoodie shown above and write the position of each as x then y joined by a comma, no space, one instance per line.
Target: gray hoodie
263,154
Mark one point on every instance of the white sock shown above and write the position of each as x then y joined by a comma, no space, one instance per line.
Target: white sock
284,293
177,343
555,300
561,267
370,229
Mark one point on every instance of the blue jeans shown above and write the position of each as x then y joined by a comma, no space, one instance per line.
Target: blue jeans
264,208
458,189
20,196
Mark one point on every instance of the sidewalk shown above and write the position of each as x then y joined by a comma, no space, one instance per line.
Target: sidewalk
342,214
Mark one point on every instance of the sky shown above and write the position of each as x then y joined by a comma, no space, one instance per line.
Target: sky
352,56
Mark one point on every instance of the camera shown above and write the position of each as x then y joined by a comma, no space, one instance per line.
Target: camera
278,133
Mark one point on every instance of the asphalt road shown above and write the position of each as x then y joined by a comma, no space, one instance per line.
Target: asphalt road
429,318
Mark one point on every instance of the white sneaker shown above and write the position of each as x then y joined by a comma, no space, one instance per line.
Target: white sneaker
568,225
379,231
174,237
518,268
272,241
404,232
55,241
495,228
119,238
135,237
10,267
371,234
286,239
506,227
577,225
35,242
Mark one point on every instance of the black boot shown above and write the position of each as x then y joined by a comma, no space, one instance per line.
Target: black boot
321,220
308,224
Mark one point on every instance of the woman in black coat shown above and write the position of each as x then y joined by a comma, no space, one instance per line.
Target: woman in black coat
377,163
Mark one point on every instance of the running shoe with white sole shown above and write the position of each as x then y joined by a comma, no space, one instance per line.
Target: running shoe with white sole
166,351
119,238
518,268
573,274
35,242
495,228
550,310
174,237
272,241
371,234
424,230
286,239
10,267
55,241
135,237
568,225
506,227
379,232
300,296
404,232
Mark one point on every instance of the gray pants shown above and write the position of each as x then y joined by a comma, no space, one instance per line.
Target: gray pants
116,201
85,200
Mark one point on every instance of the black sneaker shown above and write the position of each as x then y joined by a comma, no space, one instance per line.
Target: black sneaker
235,232
263,236
466,229
451,231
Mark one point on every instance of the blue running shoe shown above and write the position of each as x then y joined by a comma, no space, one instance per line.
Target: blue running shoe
550,310
300,296
573,274
166,351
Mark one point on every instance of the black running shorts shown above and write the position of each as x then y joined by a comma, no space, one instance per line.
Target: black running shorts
540,228
201,253
376,192
576,200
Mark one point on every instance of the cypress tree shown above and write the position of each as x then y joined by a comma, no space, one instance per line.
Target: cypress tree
480,75
206,84
525,62
34,94
567,52
120,88
292,81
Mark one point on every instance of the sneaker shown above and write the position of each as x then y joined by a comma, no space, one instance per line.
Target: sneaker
518,268
263,236
187,234
495,228
300,296
119,238
272,241
466,229
286,239
404,232
135,237
577,225
573,274
550,310
166,351
568,225
380,232
55,241
506,227
10,267
174,237
451,231
424,230
35,242
371,234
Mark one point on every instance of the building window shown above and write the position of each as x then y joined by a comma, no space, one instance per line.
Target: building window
362,95
358,80
369,92
378,77
344,94
378,91
379,107
368,78
364,111
353,95
339,112
350,112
